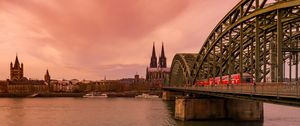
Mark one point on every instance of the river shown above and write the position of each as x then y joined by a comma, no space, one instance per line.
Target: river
118,112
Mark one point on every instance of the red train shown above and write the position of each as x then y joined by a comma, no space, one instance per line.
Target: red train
235,79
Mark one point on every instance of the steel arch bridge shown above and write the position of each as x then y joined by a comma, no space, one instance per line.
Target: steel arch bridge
259,37
181,68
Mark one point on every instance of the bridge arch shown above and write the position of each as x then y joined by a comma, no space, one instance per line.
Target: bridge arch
256,37
181,68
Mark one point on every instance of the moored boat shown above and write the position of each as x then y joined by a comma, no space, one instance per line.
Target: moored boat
95,95
144,95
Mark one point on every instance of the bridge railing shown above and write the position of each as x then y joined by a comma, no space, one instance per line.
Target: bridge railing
272,89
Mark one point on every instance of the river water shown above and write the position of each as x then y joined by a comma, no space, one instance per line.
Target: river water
118,112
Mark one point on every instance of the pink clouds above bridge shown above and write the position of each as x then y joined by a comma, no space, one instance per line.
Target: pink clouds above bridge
91,39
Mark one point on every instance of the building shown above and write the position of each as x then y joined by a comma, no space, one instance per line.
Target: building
3,86
47,77
27,86
18,84
16,70
158,71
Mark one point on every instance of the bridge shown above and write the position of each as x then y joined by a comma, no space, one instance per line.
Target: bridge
259,38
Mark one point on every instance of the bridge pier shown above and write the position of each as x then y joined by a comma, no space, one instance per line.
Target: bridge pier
242,110
170,96
217,108
199,109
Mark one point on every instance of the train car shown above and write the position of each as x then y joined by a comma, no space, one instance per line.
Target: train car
235,79
246,79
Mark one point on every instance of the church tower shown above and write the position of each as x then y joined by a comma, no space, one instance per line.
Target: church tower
162,58
158,72
16,70
153,62
47,77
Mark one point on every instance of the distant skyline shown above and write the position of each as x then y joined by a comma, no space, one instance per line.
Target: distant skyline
97,38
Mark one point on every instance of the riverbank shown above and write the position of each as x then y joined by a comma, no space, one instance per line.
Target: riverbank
53,94
132,93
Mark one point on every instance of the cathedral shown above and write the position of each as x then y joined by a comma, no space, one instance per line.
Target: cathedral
158,72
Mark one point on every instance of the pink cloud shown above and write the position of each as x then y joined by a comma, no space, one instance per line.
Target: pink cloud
93,38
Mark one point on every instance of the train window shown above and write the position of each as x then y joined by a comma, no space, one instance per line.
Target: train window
248,80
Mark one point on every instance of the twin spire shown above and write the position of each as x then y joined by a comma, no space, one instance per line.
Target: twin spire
162,59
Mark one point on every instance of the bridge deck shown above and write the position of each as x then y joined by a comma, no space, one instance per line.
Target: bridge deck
269,92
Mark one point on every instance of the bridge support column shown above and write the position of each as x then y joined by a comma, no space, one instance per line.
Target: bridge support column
199,109
170,96
217,108
242,110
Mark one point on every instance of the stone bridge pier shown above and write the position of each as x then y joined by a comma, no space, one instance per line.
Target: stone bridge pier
171,96
209,108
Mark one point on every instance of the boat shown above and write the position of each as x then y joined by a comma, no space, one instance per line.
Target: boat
95,95
144,95
33,95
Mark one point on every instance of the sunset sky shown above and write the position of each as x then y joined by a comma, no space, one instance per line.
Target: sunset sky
90,39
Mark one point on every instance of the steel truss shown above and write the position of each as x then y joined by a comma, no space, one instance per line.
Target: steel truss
181,68
260,37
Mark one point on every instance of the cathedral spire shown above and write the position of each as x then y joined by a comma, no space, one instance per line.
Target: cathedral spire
162,58
153,62
162,51
153,51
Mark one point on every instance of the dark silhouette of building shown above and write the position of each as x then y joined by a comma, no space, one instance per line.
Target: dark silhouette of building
153,62
16,70
47,77
18,84
157,75
162,58
136,78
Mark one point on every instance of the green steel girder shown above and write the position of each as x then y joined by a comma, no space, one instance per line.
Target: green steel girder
242,20
247,42
180,68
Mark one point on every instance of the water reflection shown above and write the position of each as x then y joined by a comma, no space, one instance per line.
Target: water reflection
171,107
118,112
15,111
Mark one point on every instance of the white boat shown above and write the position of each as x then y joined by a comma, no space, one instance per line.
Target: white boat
144,95
95,95
33,95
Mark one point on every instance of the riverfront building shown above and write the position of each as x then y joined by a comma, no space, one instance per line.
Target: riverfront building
18,84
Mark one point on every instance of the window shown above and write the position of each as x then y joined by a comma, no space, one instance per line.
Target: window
248,80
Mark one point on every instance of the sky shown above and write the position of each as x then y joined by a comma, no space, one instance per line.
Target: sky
91,39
